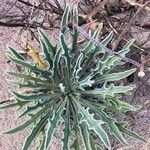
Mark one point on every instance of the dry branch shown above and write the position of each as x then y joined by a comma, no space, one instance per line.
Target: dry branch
129,24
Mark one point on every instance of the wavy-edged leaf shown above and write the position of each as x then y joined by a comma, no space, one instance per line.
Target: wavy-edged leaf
76,141
122,106
50,49
96,145
47,55
66,130
36,130
31,97
112,126
108,120
34,85
56,61
75,31
66,51
27,77
75,14
87,82
40,103
104,42
110,61
15,53
77,68
64,22
115,76
128,132
43,73
42,142
109,91
53,122
128,45
18,103
93,124
28,122
75,129
96,50
90,45
85,136
107,39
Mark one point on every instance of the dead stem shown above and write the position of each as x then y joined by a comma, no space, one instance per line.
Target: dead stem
129,24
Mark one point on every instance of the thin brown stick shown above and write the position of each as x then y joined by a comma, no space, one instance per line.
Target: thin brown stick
53,8
8,10
111,26
136,4
85,34
95,10
98,8
129,24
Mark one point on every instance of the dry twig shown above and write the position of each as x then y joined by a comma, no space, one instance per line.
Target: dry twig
114,30
133,3
98,8
129,24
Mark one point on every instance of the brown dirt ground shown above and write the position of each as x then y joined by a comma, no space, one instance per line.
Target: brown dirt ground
139,122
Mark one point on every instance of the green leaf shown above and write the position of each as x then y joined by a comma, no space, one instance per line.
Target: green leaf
96,145
110,91
43,73
55,68
111,124
32,85
31,97
115,76
128,45
18,103
75,31
91,51
108,120
93,124
87,82
128,132
110,61
75,15
76,142
16,54
27,123
90,46
107,39
40,103
64,22
53,123
27,77
85,136
66,51
77,69
75,129
36,130
123,106
49,48
107,63
66,130
48,56
42,142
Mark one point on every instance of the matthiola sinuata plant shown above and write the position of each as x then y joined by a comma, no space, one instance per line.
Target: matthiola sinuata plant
74,89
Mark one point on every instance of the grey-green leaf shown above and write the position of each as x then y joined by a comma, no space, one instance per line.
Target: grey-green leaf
93,124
